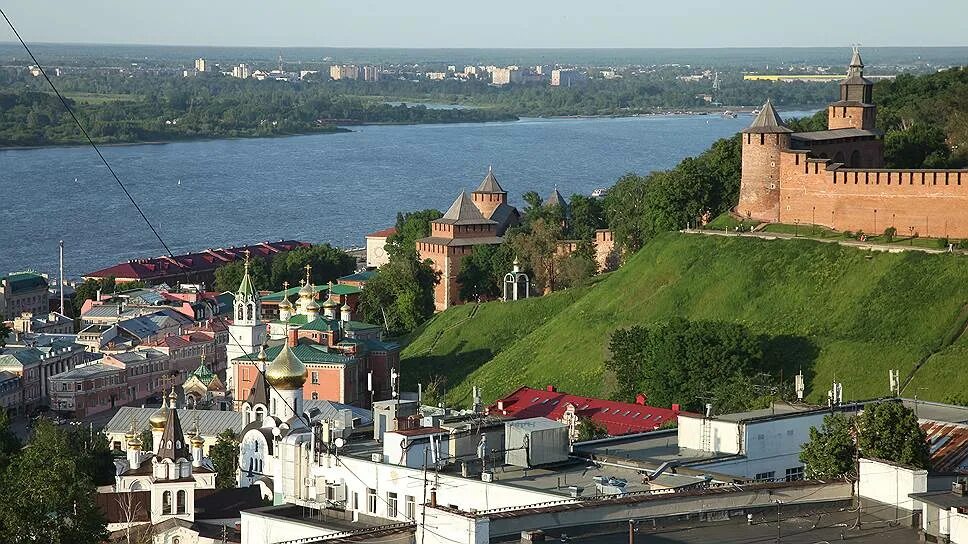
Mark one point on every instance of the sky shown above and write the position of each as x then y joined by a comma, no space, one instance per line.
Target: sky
492,23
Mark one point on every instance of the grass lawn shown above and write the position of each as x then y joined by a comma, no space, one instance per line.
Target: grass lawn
835,312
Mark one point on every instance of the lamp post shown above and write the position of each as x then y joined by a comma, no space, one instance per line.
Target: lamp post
875,222
911,230
796,228
813,220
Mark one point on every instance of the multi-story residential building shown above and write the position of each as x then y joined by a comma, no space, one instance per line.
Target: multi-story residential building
376,254
241,71
371,73
193,303
186,352
133,331
24,292
505,76
10,392
88,389
35,358
48,323
201,65
344,71
563,77
147,372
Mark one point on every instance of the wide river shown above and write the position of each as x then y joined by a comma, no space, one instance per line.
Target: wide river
319,188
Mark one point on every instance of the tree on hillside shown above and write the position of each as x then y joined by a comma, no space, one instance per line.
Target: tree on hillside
411,226
587,215
920,146
625,209
225,457
830,451
48,494
228,277
401,295
578,267
537,250
684,361
890,431
328,264
482,272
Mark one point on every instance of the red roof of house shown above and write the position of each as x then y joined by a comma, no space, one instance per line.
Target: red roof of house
162,267
617,417
382,233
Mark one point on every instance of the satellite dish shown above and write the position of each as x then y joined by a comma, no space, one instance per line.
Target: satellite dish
339,442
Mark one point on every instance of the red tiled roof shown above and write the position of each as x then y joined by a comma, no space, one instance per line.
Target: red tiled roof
161,267
382,233
617,417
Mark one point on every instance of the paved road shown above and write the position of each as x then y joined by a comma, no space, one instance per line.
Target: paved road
890,248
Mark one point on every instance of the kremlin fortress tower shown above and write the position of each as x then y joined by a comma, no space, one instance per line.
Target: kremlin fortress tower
836,177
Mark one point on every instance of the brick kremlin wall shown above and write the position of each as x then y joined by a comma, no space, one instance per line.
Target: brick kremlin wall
934,202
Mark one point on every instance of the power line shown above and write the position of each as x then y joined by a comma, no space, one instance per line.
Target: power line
84,131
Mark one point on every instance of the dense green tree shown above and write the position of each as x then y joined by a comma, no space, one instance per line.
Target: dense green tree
228,277
577,267
920,146
890,431
93,452
225,457
586,215
5,331
89,288
537,251
626,206
49,496
830,451
411,226
480,277
9,443
683,361
588,429
401,295
328,264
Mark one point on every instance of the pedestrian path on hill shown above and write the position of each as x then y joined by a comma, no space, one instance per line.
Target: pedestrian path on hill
890,248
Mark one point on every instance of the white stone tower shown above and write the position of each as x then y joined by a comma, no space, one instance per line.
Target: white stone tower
247,330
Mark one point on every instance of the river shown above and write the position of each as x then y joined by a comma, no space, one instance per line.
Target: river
319,188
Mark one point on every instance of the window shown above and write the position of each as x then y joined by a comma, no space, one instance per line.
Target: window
315,395
794,474
391,504
356,501
182,501
314,377
765,476
166,502
410,506
371,500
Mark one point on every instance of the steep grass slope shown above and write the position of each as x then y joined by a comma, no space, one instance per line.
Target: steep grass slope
836,313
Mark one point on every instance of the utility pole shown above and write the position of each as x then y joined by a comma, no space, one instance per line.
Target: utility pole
423,514
61,247
779,536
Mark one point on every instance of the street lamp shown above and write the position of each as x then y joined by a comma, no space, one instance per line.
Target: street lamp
911,230
875,222
796,228
813,220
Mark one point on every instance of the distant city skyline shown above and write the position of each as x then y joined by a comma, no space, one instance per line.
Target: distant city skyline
497,24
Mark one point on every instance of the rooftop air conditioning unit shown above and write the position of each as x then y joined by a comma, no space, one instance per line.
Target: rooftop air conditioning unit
487,476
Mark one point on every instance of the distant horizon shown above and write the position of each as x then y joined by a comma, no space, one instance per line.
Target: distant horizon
504,24
845,47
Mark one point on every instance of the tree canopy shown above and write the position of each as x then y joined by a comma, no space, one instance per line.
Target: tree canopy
890,431
830,451
225,457
400,295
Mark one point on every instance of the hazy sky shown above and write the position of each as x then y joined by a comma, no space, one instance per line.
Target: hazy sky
492,23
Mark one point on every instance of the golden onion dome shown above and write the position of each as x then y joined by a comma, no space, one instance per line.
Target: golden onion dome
197,440
160,418
285,304
286,371
313,305
307,291
134,442
330,303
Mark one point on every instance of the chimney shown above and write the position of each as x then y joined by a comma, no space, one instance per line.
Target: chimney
640,399
500,405
676,409
293,339
551,389
433,497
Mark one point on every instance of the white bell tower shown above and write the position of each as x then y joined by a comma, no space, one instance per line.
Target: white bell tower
247,330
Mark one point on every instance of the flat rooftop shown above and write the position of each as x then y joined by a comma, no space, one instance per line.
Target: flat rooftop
833,526
937,411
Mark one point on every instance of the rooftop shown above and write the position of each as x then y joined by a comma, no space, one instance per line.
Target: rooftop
463,212
836,134
382,233
210,422
88,371
943,499
767,121
23,281
362,276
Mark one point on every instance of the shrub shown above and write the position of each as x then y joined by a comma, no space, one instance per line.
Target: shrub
890,233
848,234
943,242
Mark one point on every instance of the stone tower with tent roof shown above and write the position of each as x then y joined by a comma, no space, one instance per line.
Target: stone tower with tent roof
762,142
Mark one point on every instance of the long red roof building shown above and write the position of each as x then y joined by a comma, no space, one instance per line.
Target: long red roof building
191,267
617,417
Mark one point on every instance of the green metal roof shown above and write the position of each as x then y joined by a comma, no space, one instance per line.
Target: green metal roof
203,374
277,296
25,281
360,326
377,345
307,354
363,276
321,324
340,289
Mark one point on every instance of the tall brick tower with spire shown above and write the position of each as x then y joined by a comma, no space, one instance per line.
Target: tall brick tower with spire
760,183
855,109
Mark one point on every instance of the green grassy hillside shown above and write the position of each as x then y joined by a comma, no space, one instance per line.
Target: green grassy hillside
834,312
